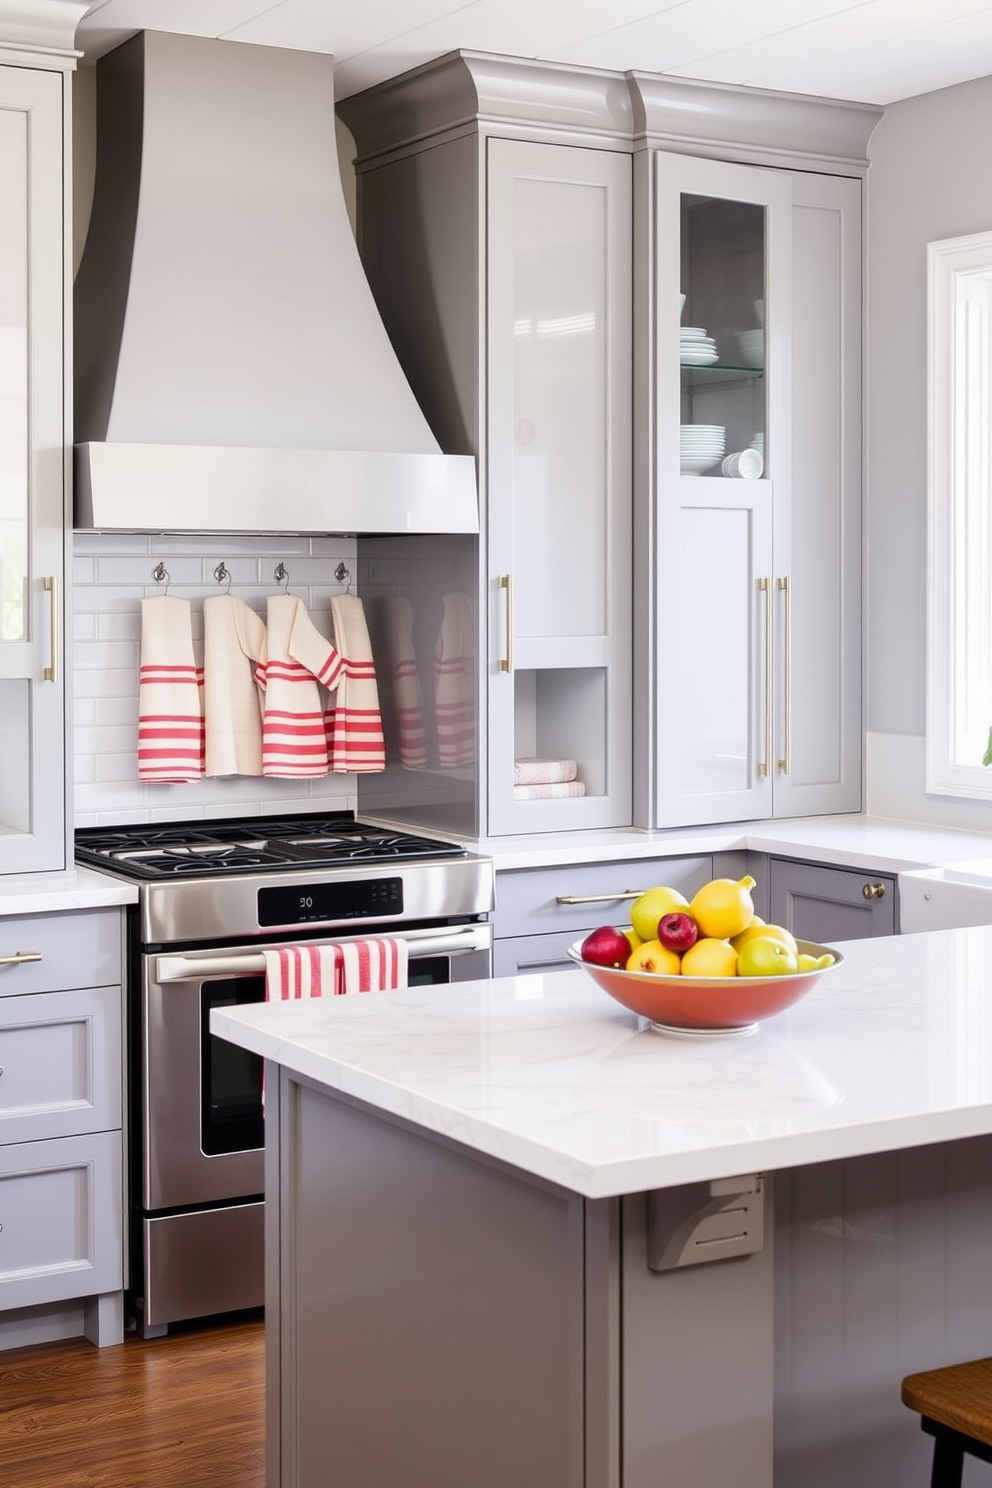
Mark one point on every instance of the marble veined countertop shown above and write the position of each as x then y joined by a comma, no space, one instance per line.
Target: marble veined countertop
892,1049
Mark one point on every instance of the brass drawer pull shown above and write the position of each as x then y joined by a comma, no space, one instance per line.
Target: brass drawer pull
598,898
873,890
19,957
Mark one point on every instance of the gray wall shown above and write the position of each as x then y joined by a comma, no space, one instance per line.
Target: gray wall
930,177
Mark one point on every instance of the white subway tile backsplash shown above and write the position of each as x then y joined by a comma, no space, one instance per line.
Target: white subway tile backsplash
113,572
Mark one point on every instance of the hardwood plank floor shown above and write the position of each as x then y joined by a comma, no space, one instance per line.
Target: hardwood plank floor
178,1412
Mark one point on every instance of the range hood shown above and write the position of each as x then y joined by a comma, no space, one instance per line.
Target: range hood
231,370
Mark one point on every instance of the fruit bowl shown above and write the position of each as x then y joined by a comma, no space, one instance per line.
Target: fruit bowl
706,1005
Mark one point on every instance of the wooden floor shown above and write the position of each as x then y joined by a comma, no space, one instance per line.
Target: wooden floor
177,1412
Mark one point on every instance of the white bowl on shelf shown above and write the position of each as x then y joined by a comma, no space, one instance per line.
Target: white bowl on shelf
697,464
752,345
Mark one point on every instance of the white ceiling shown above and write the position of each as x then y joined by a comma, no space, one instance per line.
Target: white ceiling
875,51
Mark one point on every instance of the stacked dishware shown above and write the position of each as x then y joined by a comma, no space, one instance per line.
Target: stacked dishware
752,344
696,349
701,446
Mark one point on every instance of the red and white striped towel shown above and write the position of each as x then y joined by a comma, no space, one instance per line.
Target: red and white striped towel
233,638
454,682
297,659
170,694
395,640
544,771
354,724
296,973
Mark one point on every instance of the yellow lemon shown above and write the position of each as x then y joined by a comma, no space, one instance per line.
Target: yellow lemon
652,956
646,911
723,907
767,932
764,957
806,962
710,957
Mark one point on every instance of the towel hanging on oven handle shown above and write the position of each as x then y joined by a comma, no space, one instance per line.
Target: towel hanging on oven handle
170,968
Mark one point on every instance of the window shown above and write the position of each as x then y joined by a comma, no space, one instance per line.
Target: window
959,534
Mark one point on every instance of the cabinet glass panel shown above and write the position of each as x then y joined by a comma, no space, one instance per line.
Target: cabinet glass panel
13,376
722,336
559,408
15,778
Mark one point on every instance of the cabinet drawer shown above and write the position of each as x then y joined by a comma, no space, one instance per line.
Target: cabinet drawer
76,950
527,900
60,1064
61,1219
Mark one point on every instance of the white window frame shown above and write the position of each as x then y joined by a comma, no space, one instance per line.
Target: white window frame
959,515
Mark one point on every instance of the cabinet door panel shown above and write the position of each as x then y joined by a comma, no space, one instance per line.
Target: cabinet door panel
61,1218
33,834
558,479
830,904
60,1064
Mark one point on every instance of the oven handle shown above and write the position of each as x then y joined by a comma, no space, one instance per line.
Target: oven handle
421,942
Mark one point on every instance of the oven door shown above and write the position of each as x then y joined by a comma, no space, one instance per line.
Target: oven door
201,1112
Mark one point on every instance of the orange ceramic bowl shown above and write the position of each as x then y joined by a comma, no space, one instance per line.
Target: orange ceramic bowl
710,1005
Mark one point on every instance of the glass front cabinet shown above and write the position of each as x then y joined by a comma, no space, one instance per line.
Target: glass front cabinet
33,831
750,548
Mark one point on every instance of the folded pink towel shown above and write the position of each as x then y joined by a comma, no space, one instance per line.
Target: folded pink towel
170,694
548,791
543,771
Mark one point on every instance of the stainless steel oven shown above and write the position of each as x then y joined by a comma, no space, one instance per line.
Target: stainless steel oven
196,1117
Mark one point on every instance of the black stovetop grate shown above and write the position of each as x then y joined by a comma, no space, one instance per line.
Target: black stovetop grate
201,849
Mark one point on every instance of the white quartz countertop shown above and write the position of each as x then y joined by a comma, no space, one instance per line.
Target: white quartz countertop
893,1049
81,888
856,841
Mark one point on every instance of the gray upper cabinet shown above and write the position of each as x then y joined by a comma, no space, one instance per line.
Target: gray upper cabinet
752,564
527,231
33,464
500,253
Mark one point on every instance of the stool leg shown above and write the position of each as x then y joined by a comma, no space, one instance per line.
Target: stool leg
948,1463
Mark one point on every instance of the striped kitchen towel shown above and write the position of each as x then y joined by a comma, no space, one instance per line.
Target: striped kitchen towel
170,694
294,973
395,641
297,972
233,639
454,682
353,722
297,659
543,771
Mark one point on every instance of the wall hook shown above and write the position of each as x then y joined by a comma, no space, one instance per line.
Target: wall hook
161,575
343,574
222,572
281,576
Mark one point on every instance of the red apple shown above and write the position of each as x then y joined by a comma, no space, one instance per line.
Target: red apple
677,931
606,947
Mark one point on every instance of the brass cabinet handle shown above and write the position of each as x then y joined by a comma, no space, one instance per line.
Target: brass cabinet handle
597,898
506,584
52,669
765,766
19,957
785,763
873,890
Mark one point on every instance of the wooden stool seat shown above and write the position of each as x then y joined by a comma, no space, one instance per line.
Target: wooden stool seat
955,1408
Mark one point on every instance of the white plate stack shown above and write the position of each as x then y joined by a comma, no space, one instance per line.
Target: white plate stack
701,446
696,349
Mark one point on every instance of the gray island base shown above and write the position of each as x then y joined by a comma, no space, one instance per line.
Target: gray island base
515,1237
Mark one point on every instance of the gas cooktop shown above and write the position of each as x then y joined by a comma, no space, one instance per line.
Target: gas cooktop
257,844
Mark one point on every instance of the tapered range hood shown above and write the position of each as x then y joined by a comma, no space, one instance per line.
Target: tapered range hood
231,370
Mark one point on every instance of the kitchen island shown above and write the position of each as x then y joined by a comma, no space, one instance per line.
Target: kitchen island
494,1209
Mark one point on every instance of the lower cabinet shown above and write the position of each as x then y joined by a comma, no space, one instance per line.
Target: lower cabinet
541,911
61,1102
825,904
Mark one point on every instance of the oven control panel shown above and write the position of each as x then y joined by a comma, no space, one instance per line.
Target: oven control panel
309,903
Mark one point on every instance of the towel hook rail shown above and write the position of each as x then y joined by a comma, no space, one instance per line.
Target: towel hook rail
281,575
161,575
222,572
